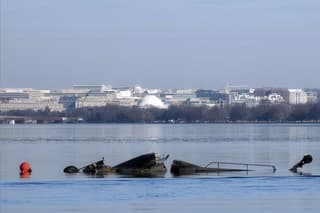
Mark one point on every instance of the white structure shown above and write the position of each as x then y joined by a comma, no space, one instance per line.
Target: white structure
238,89
138,89
178,96
312,97
91,101
28,99
123,94
92,88
128,102
297,96
153,91
31,104
151,101
248,100
201,102
275,98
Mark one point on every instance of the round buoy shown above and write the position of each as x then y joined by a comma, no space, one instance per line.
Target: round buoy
25,168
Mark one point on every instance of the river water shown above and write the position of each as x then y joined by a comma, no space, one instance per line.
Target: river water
50,148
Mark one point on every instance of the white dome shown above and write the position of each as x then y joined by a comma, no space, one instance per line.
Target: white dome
138,89
151,101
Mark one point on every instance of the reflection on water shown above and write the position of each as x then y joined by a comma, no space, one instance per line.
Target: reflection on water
50,148
159,133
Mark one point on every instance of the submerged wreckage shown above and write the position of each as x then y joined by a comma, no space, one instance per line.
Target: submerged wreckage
151,165
147,165
179,167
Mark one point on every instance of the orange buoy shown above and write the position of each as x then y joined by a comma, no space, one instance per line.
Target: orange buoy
25,169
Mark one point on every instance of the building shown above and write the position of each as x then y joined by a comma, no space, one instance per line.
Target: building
246,99
92,88
151,101
11,94
239,89
177,96
265,92
201,102
126,102
216,97
28,99
275,98
297,96
312,97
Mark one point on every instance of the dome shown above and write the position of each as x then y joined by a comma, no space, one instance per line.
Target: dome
151,101
138,89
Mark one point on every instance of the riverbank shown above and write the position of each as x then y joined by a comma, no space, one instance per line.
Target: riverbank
281,113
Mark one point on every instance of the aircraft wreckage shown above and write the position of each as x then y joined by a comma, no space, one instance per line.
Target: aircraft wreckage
147,165
152,165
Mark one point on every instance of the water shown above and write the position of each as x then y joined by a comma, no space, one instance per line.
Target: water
50,148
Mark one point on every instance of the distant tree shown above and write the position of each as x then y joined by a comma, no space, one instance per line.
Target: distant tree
158,114
193,113
239,113
276,113
299,112
184,112
216,114
257,113
314,112
172,113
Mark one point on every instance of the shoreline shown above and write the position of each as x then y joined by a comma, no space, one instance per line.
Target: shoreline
168,123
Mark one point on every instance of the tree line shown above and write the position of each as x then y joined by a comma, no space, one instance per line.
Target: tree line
186,114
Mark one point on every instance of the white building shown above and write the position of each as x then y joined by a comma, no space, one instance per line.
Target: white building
151,101
275,98
297,96
312,97
123,93
178,96
91,101
92,88
25,99
244,98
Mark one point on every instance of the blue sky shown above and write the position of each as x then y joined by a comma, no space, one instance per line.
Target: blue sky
163,44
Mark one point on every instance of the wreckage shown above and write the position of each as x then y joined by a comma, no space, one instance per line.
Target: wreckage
147,165
307,158
179,167
151,165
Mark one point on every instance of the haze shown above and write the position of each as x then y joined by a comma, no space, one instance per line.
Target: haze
160,44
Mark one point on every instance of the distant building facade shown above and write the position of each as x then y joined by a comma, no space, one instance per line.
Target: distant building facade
216,97
28,99
177,96
101,95
297,96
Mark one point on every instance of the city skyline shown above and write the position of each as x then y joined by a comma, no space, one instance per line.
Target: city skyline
180,44
277,104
